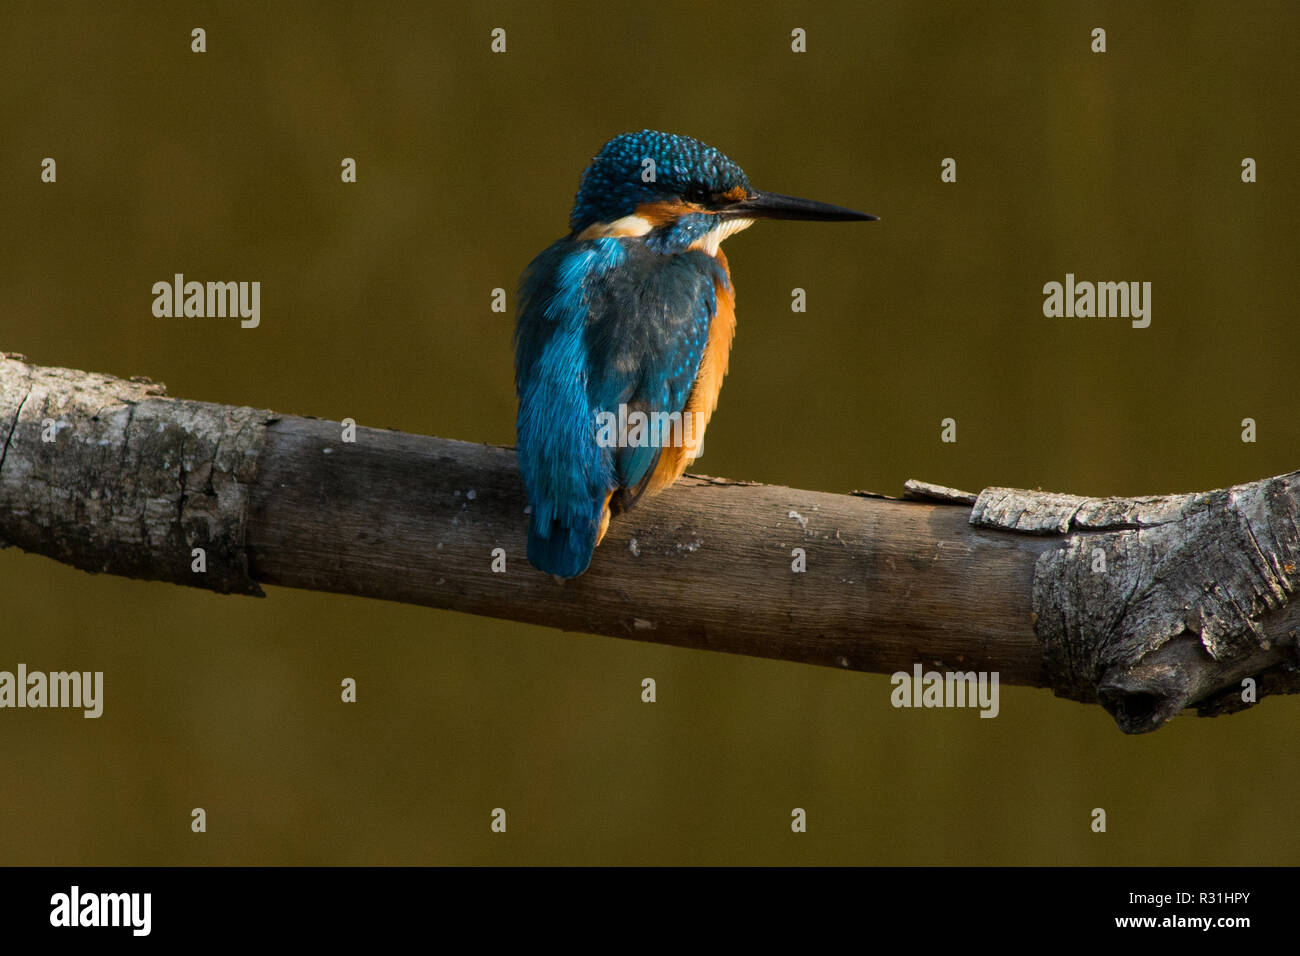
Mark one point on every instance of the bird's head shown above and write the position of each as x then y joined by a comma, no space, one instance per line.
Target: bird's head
679,193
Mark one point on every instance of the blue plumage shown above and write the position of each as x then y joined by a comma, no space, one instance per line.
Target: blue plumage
618,315
616,181
567,474
603,323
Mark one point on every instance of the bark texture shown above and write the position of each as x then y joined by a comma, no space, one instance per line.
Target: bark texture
1155,602
107,475
1143,605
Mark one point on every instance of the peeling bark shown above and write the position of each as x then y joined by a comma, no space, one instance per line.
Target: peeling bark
130,482
1136,575
1195,594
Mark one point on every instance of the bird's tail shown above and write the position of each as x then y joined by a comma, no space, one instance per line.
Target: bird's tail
565,550
562,550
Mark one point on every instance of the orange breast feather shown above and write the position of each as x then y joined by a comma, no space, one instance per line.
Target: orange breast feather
703,398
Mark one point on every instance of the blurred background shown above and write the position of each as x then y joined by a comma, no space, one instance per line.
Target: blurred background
376,300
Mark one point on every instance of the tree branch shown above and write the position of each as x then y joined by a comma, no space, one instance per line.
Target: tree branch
1144,605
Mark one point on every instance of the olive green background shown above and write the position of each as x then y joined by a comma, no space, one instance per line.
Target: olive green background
375,305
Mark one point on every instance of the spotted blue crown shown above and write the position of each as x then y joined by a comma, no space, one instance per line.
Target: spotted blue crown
613,185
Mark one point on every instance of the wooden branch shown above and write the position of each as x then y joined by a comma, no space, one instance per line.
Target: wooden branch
1145,605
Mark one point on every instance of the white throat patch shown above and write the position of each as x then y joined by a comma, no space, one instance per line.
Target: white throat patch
713,238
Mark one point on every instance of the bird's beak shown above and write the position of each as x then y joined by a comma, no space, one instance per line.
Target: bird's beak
761,205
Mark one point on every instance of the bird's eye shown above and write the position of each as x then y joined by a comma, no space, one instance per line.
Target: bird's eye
697,193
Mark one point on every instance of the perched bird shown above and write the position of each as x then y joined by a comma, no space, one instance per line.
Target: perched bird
628,319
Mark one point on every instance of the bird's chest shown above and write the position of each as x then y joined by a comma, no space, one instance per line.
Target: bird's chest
654,314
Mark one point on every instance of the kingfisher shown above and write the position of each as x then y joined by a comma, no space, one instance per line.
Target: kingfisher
624,331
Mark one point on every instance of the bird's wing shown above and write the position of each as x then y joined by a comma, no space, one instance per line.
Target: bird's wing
602,323
567,474
646,334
